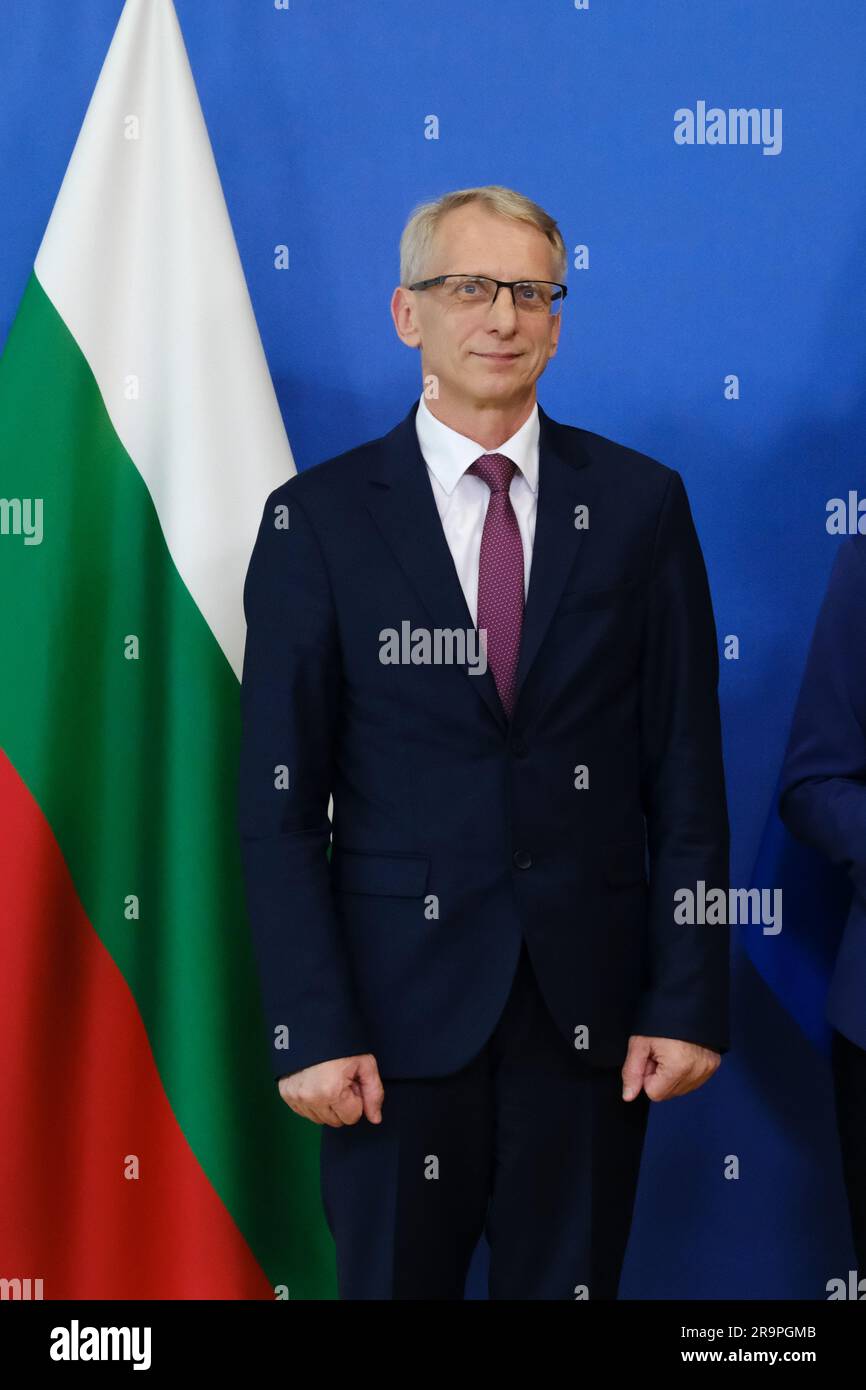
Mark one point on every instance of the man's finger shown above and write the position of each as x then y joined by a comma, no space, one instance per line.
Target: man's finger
347,1107
333,1117
372,1090
634,1067
665,1085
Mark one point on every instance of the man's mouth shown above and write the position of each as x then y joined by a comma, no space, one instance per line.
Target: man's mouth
499,356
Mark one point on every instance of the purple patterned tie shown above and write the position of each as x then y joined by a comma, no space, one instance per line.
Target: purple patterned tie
500,575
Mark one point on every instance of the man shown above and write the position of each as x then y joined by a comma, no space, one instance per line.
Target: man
823,802
489,637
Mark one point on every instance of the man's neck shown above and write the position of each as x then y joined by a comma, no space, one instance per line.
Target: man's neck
490,426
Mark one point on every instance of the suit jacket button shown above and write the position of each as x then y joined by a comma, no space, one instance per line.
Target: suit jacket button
522,860
519,748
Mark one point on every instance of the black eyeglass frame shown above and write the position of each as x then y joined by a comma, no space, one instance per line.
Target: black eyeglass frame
500,284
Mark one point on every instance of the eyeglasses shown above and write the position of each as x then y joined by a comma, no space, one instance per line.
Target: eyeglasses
534,296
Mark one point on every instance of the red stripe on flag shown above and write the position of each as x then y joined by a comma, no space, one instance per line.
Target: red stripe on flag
79,1095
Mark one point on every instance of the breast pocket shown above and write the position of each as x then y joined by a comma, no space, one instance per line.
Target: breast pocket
583,598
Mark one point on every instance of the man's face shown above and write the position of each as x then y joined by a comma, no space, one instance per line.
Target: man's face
482,355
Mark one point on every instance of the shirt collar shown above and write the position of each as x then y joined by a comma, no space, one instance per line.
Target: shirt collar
448,454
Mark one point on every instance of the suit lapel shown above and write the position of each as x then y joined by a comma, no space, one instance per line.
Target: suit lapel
403,507
563,485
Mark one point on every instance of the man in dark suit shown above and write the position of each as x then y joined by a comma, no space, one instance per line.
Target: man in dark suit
489,637
823,802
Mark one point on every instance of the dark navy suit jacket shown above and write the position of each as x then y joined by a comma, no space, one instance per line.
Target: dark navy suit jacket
823,786
457,833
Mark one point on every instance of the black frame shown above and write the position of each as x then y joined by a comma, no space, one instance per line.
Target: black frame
477,275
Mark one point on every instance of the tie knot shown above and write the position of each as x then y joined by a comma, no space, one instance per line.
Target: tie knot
496,470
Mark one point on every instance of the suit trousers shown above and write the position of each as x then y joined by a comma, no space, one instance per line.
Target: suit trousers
849,1083
527,1143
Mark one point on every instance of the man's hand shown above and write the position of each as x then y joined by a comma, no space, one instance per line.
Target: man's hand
665,1067
336,1093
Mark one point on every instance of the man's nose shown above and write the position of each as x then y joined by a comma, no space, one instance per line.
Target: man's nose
503,309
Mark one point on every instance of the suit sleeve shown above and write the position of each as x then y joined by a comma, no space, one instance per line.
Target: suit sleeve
823,784
686,994
290,695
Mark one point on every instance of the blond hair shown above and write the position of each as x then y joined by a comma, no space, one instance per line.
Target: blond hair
416,243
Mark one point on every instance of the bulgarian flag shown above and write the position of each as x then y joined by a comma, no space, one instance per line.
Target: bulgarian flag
144,1149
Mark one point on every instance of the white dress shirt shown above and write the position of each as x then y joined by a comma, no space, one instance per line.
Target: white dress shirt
462,499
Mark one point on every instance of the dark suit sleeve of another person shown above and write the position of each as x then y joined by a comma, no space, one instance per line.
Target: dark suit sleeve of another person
290,705
683,789
823,784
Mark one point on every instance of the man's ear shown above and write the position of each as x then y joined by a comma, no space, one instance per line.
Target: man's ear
403,314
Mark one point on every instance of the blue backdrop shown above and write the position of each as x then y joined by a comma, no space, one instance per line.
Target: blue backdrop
706,262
